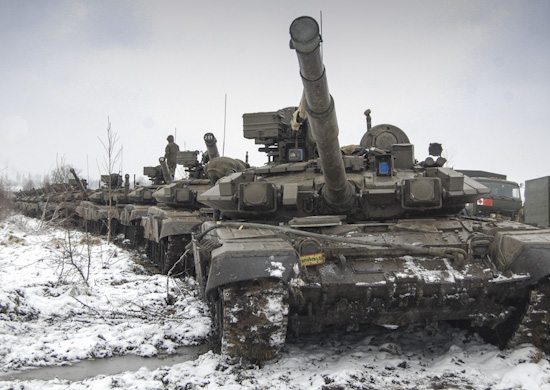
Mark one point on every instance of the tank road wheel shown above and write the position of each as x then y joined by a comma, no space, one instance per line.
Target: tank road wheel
534,326
253,319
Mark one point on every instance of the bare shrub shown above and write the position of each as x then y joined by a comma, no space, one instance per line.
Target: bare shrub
61,173
6,203
75,259
110,160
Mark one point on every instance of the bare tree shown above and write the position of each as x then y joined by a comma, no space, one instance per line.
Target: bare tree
62,171
110,160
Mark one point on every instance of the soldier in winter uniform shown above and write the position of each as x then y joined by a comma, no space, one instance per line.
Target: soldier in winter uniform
170,154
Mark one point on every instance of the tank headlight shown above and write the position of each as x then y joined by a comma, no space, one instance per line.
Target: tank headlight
184,195
422,192
258,196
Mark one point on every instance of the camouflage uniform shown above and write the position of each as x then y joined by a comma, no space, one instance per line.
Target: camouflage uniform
170,154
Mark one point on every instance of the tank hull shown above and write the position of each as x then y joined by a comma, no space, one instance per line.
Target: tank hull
351,275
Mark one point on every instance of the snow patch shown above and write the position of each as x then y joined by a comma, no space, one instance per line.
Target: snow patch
48,318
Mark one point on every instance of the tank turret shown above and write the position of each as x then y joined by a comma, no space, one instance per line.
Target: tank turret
310,174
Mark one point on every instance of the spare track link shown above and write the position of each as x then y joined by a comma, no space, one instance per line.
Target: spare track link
534,326
254,319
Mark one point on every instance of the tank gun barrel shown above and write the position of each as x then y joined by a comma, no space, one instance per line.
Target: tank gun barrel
165,170
211,145
306,40
79,182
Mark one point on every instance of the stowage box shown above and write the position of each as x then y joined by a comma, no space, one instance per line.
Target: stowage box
537,201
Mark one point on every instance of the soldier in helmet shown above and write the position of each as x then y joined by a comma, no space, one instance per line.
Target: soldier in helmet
170,154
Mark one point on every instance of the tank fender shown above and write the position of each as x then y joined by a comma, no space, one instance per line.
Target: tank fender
250,259
523,251
179,225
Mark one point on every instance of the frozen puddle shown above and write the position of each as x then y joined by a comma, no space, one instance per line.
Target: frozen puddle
108,366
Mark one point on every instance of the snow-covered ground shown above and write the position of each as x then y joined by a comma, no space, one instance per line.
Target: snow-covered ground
57,309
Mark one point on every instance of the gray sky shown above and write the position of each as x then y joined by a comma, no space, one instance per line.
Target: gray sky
472,75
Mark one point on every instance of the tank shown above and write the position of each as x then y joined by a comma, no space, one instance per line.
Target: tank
176,214
140,198
326,236
105,204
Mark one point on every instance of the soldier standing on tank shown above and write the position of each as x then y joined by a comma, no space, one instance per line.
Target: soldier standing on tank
170,154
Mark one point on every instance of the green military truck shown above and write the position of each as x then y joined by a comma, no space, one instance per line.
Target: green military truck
503,201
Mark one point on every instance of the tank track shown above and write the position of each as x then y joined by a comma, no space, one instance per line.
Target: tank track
253,319
134,233
175,247
167,252
534,326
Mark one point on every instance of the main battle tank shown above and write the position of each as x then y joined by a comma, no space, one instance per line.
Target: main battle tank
167,225
104,205
142,196
140,199
325,236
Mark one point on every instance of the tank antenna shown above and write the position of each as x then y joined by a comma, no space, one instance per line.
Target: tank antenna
224,123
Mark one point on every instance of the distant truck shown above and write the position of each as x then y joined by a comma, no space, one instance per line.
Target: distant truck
537,201
503,201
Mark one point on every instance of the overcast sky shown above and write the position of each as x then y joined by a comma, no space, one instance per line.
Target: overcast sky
472,75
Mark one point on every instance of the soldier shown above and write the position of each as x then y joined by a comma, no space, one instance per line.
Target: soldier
170,154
